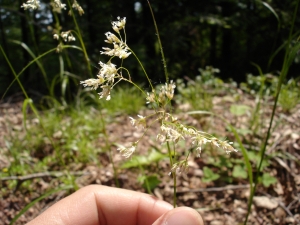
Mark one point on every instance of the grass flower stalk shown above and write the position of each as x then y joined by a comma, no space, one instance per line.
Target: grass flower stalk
172,130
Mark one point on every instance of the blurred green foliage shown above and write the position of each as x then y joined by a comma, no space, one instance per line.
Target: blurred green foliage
226,34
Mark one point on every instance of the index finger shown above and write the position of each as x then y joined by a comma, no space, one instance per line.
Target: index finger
102,205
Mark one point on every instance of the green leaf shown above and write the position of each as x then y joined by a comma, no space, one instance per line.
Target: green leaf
268,179
137,161
239,172
209,175
239,110
152,180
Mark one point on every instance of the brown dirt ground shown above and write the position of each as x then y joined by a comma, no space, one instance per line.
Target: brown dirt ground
218,202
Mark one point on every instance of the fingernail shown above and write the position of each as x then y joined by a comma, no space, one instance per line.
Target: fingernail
184,217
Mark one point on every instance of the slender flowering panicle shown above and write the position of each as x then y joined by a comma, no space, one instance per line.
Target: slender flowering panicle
171,129
109,72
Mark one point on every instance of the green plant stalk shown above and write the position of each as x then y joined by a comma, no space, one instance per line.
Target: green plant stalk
146,178
81,40
173,173
142,68
167,81
31,29
284,71
260,97
28,100
31,62
23,45
160,45
107,146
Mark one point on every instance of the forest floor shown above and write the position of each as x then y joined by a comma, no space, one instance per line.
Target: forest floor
218,201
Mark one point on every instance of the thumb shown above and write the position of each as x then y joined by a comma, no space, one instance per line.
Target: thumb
180,216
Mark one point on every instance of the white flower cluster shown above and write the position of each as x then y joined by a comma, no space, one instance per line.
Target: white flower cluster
57,6
67,36
166,94
108,72
31,4
173,130
120,49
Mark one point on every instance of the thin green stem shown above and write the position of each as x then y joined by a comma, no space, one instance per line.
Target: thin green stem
174,189
142,68
173,173
108,148
28,100
33,61
284,71
160,45
80,39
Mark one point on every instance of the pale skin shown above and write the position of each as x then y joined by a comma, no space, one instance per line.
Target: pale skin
102,205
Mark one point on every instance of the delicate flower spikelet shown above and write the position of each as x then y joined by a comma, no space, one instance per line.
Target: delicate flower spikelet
141,122
67,36
150,97
93,83
77,7
105,93
127,152
170,133
199,140
56,36
179,167
169,89
120,50
31,4
108,71
118,25
58,6
227,146
111,38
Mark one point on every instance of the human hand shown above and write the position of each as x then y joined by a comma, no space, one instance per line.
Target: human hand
102,205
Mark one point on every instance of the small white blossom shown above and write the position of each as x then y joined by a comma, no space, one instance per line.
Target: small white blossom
141,122
150,97
77,7
94,83
58,6
55,36
111,38
31,4
67,36
127,152
180,167
105,93
108,71
118,25
169,89
119,50
227,146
